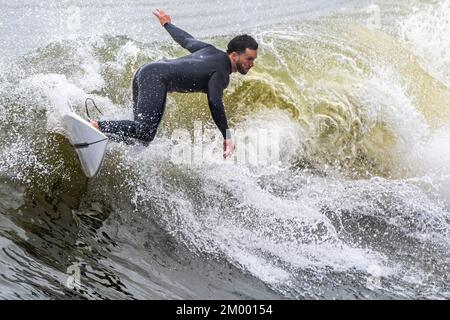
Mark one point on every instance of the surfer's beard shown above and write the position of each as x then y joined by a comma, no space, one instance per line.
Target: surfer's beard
241,69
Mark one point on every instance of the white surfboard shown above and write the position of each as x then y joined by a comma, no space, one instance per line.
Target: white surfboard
89,143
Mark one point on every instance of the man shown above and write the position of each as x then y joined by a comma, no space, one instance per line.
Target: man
206,69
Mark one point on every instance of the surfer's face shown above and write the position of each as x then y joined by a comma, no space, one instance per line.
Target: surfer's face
244,61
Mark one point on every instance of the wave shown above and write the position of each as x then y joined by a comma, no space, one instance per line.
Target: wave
357,192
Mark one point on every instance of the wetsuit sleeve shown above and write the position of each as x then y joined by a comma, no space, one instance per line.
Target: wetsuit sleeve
184,39
215,94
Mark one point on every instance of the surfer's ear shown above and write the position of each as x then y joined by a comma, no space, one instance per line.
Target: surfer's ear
234,56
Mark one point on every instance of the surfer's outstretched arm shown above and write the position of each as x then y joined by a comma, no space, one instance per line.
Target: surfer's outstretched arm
183,38
216,86
215,94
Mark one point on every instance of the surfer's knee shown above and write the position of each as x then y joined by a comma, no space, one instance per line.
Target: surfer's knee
146,140
146,135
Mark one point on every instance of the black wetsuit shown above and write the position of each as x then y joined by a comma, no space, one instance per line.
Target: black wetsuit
206,69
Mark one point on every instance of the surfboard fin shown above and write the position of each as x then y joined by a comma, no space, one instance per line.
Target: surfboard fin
83,145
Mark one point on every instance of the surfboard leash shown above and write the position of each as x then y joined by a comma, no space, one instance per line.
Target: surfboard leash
87,109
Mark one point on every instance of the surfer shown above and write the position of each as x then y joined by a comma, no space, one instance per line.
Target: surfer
207,69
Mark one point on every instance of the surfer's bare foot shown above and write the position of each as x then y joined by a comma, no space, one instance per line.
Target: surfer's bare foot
95,124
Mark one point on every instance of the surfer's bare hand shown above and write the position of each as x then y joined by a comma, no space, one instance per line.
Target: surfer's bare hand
228,148
162,17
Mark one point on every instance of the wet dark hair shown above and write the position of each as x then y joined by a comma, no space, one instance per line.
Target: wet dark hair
240,43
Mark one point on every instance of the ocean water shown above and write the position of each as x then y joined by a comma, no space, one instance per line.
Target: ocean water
339,188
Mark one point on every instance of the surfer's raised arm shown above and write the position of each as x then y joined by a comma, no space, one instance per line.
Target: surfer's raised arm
183,38
162,16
